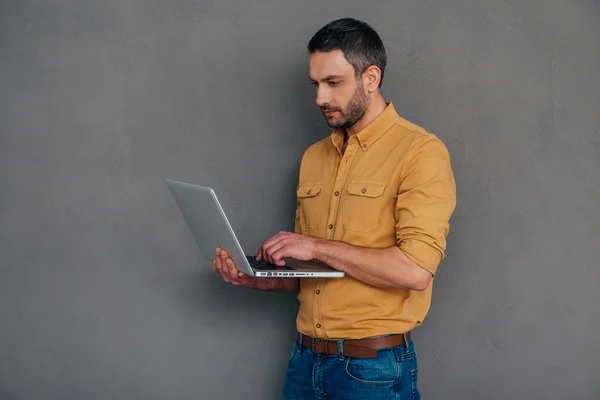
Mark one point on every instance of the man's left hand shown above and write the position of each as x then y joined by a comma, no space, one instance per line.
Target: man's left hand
287,244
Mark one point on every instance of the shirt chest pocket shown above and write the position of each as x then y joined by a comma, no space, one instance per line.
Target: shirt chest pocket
362,205
310,204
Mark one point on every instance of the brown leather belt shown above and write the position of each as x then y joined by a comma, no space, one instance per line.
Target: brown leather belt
357,348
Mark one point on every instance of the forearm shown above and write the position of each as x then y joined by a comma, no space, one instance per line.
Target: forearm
279,285
386,267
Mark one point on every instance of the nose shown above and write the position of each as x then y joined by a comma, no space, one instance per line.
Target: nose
323,96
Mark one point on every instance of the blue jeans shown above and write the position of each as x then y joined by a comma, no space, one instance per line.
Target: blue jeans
392,375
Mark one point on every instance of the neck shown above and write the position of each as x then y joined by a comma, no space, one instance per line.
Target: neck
377,106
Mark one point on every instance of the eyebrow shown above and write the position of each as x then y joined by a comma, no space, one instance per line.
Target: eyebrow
327,78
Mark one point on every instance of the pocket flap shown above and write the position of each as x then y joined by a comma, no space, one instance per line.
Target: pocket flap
309,189
366,188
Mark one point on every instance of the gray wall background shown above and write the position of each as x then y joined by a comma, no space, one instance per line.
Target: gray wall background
103,294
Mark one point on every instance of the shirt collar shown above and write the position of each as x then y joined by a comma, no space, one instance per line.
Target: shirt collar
370,133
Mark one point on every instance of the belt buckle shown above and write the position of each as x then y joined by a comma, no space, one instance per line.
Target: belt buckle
323,341
314,340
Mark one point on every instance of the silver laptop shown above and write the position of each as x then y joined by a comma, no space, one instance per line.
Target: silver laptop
211,229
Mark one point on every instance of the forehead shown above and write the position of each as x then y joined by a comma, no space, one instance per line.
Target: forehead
327,63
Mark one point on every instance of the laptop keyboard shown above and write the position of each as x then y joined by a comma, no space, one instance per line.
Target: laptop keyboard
265,265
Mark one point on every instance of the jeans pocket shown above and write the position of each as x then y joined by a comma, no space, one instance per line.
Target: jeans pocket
380,371
294,351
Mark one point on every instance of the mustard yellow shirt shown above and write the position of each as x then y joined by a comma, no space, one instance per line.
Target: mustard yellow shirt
393,186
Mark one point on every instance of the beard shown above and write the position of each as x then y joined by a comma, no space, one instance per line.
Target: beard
355,110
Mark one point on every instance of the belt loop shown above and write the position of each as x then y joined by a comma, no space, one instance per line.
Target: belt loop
405,340
340,349
300,337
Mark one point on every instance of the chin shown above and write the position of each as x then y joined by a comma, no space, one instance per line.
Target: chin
335,123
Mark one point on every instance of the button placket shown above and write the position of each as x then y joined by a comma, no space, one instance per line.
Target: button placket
343,168
342,173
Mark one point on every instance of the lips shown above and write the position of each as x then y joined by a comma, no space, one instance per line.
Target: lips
329,113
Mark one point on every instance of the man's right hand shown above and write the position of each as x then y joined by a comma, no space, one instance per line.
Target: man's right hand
224,265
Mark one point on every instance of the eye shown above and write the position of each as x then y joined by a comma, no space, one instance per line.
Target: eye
334,83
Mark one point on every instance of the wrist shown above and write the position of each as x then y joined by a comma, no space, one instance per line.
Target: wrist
320,251
263,284
269,284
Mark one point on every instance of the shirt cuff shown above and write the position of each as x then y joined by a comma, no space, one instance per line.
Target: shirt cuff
423,254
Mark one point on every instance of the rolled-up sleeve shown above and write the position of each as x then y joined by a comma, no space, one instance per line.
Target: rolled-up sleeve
425,203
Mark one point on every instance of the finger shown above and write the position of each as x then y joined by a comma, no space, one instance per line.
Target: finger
269,257
217,264
278,257
272,240
224,268
266,244
279,251
233,272
278,236
262,254
276,246
259,254
229,265
267,251
276,249
238,278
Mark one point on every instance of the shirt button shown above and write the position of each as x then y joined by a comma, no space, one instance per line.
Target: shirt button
318,291
318,325
337,193
330,226
364,146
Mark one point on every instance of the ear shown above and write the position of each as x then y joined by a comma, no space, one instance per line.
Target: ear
372,78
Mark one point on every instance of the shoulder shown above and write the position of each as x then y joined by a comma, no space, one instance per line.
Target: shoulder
317,149
425,156
421,144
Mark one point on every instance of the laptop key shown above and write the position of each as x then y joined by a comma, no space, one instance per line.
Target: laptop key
265,265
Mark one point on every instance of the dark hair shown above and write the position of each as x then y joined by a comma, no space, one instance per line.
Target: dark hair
360,44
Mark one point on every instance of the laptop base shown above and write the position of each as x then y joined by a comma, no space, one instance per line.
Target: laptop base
293,269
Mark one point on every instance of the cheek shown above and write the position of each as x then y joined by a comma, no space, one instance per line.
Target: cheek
343,97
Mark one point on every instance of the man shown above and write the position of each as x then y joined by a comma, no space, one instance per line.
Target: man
374,200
